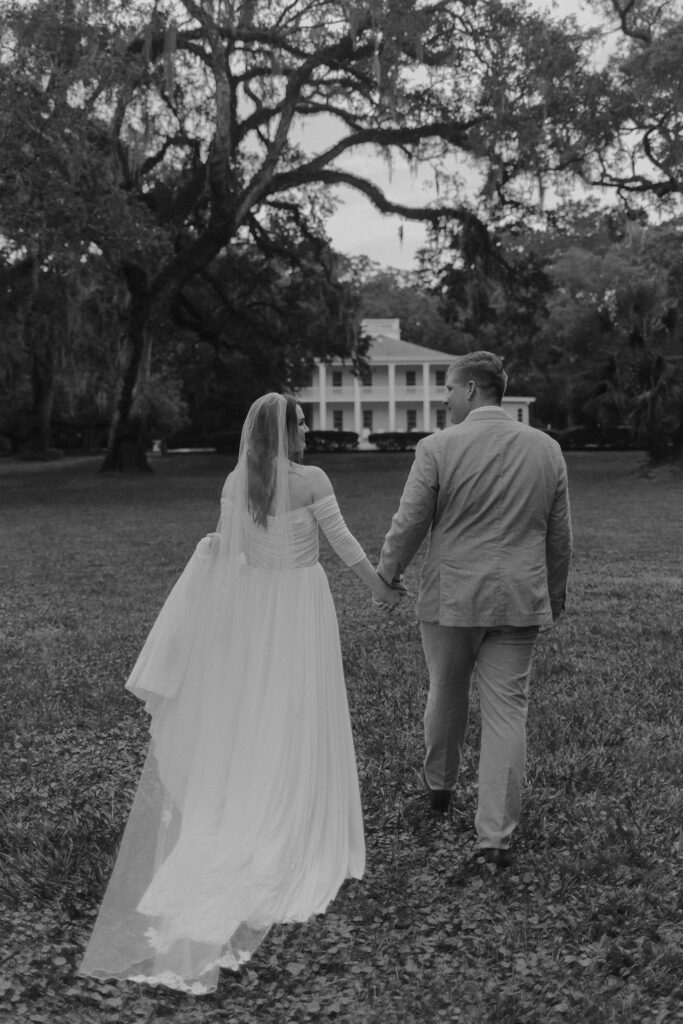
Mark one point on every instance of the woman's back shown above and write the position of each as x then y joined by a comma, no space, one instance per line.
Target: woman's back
305,485
288,542
248,809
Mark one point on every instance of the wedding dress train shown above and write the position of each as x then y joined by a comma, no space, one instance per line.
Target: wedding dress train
248,809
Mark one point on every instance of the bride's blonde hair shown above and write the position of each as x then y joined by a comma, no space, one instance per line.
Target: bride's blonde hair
294,445
264,447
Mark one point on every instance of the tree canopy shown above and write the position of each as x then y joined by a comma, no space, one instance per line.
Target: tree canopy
187,155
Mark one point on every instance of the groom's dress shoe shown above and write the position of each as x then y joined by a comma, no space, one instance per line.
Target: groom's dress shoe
425,811
499,858
439,799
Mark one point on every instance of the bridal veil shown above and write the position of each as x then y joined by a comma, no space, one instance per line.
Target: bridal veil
226,833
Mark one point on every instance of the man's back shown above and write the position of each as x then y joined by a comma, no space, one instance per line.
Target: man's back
492,494
500,535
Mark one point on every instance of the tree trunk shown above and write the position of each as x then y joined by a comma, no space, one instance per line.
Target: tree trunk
126,448
40,341
43,382
676,454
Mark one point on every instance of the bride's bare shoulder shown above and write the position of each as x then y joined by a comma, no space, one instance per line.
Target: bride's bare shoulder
308,484
321,485
229,480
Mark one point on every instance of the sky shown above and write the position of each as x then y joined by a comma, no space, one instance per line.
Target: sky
357,229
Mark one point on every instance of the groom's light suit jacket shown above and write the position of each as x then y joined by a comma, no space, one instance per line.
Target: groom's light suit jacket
492,493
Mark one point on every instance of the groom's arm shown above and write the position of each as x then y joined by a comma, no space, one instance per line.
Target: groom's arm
414,516
559,544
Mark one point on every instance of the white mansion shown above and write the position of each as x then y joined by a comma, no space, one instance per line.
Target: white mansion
402,389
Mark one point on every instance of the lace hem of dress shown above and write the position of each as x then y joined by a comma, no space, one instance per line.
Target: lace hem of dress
196,988
170,980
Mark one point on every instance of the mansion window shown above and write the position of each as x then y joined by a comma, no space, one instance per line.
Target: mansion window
366,377
338,419
441,379
440,419
337,380
367,419
410,378
411,419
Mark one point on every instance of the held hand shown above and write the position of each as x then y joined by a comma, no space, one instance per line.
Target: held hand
396,584
388,597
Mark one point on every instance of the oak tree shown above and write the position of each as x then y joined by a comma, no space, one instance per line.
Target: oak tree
201,122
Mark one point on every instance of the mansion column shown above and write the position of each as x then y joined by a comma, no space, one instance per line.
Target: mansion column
426,425
357,418
322,401
392,397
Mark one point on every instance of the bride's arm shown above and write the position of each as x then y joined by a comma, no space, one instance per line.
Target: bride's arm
343,542
367,574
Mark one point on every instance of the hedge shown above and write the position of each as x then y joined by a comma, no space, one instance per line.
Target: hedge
331,440
397,441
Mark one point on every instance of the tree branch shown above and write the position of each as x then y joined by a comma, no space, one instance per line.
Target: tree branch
258,187
637,183
430,214
151,162
643,35
649,152
219,172
449,131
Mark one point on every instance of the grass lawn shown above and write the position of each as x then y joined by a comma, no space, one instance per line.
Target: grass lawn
587,926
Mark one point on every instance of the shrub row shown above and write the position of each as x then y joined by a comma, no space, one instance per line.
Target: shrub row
331,440
397,441
575,438
228,441
65,437
93,437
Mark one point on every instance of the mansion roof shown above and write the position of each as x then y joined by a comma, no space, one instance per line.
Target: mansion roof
387,345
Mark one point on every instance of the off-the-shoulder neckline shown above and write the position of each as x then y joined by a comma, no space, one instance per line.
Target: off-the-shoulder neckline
318,501
299,508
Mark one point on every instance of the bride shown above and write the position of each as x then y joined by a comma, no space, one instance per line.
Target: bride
247,812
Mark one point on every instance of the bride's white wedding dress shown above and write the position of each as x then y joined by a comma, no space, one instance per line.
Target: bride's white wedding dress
248,809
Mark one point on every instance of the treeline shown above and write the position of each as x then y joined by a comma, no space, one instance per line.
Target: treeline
585,313
163,252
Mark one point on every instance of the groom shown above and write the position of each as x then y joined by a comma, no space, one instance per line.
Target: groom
492,493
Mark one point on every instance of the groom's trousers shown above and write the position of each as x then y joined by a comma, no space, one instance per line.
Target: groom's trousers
500,660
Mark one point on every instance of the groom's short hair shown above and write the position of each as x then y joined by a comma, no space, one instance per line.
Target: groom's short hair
485,369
